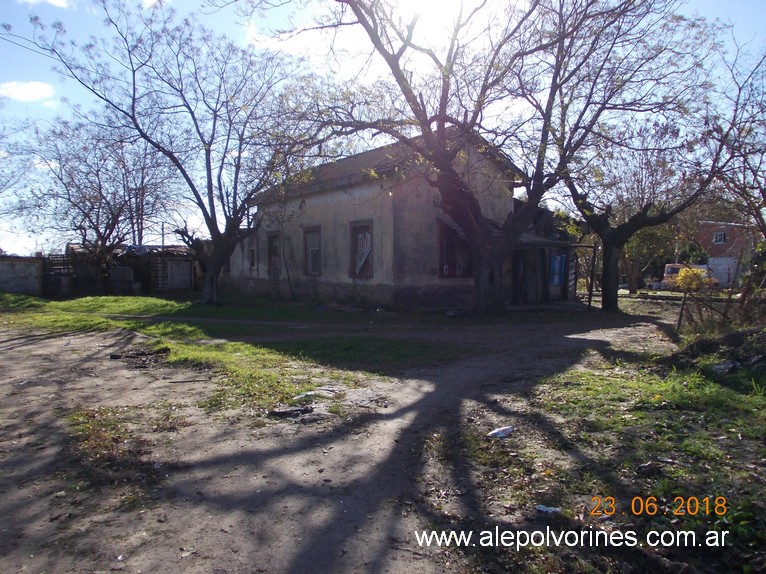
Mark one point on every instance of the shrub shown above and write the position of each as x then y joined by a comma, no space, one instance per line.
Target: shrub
690,279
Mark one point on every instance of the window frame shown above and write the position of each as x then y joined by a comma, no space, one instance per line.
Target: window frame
719,238
367,270
307,258
447,267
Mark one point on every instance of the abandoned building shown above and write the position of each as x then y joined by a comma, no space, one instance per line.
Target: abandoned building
367,230
130,269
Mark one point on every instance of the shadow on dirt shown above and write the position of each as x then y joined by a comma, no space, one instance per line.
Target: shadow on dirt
348,499
355,520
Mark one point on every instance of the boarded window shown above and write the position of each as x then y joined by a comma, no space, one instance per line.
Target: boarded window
312,251
272,253
454,253
361,250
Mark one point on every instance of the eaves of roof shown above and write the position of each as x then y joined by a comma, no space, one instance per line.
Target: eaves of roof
366,166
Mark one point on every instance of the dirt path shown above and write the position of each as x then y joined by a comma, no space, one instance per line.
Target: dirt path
226,496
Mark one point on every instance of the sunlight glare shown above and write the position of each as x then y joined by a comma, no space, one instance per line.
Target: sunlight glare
436,18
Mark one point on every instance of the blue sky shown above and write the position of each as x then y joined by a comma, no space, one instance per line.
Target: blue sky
29,88
28,85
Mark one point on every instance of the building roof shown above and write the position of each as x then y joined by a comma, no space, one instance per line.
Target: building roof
366,166
75,249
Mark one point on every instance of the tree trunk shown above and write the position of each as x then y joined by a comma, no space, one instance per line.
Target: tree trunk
610,275
488,280
214,264
210,284
632,272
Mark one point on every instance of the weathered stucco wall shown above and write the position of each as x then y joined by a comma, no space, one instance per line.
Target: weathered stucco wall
403,212
21,275
332,213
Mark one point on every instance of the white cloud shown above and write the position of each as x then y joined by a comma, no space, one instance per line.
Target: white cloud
56,3
27,91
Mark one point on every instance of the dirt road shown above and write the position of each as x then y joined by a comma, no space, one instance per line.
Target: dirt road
220,494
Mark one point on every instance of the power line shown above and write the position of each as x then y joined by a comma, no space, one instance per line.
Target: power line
23,47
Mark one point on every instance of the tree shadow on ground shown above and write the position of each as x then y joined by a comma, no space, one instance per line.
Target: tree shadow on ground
350,499
330,528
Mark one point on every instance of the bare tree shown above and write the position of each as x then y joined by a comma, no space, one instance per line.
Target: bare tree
444,92
541,80
744,180
13,166
622,90
643,173
645,181
217,112
93,186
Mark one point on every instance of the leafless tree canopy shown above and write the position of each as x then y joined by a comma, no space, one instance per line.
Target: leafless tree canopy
219,113
552,84
743,183
93,186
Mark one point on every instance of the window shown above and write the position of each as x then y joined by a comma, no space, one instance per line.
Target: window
312,251
253,260
361,250
719,237
272,253
454,253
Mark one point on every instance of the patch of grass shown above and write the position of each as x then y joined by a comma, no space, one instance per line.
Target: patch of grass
169,418
111,305
640,431
108,452
15,302
337,409
140,314
68,322
251,375
264,375
365,353
170,330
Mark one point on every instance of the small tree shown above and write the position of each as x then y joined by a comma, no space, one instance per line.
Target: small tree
652,175
647,251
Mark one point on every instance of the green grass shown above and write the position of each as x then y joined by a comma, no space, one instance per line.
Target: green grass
84,314
367,353
263,375
250,375
638,430
108,452
181,320
259,375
